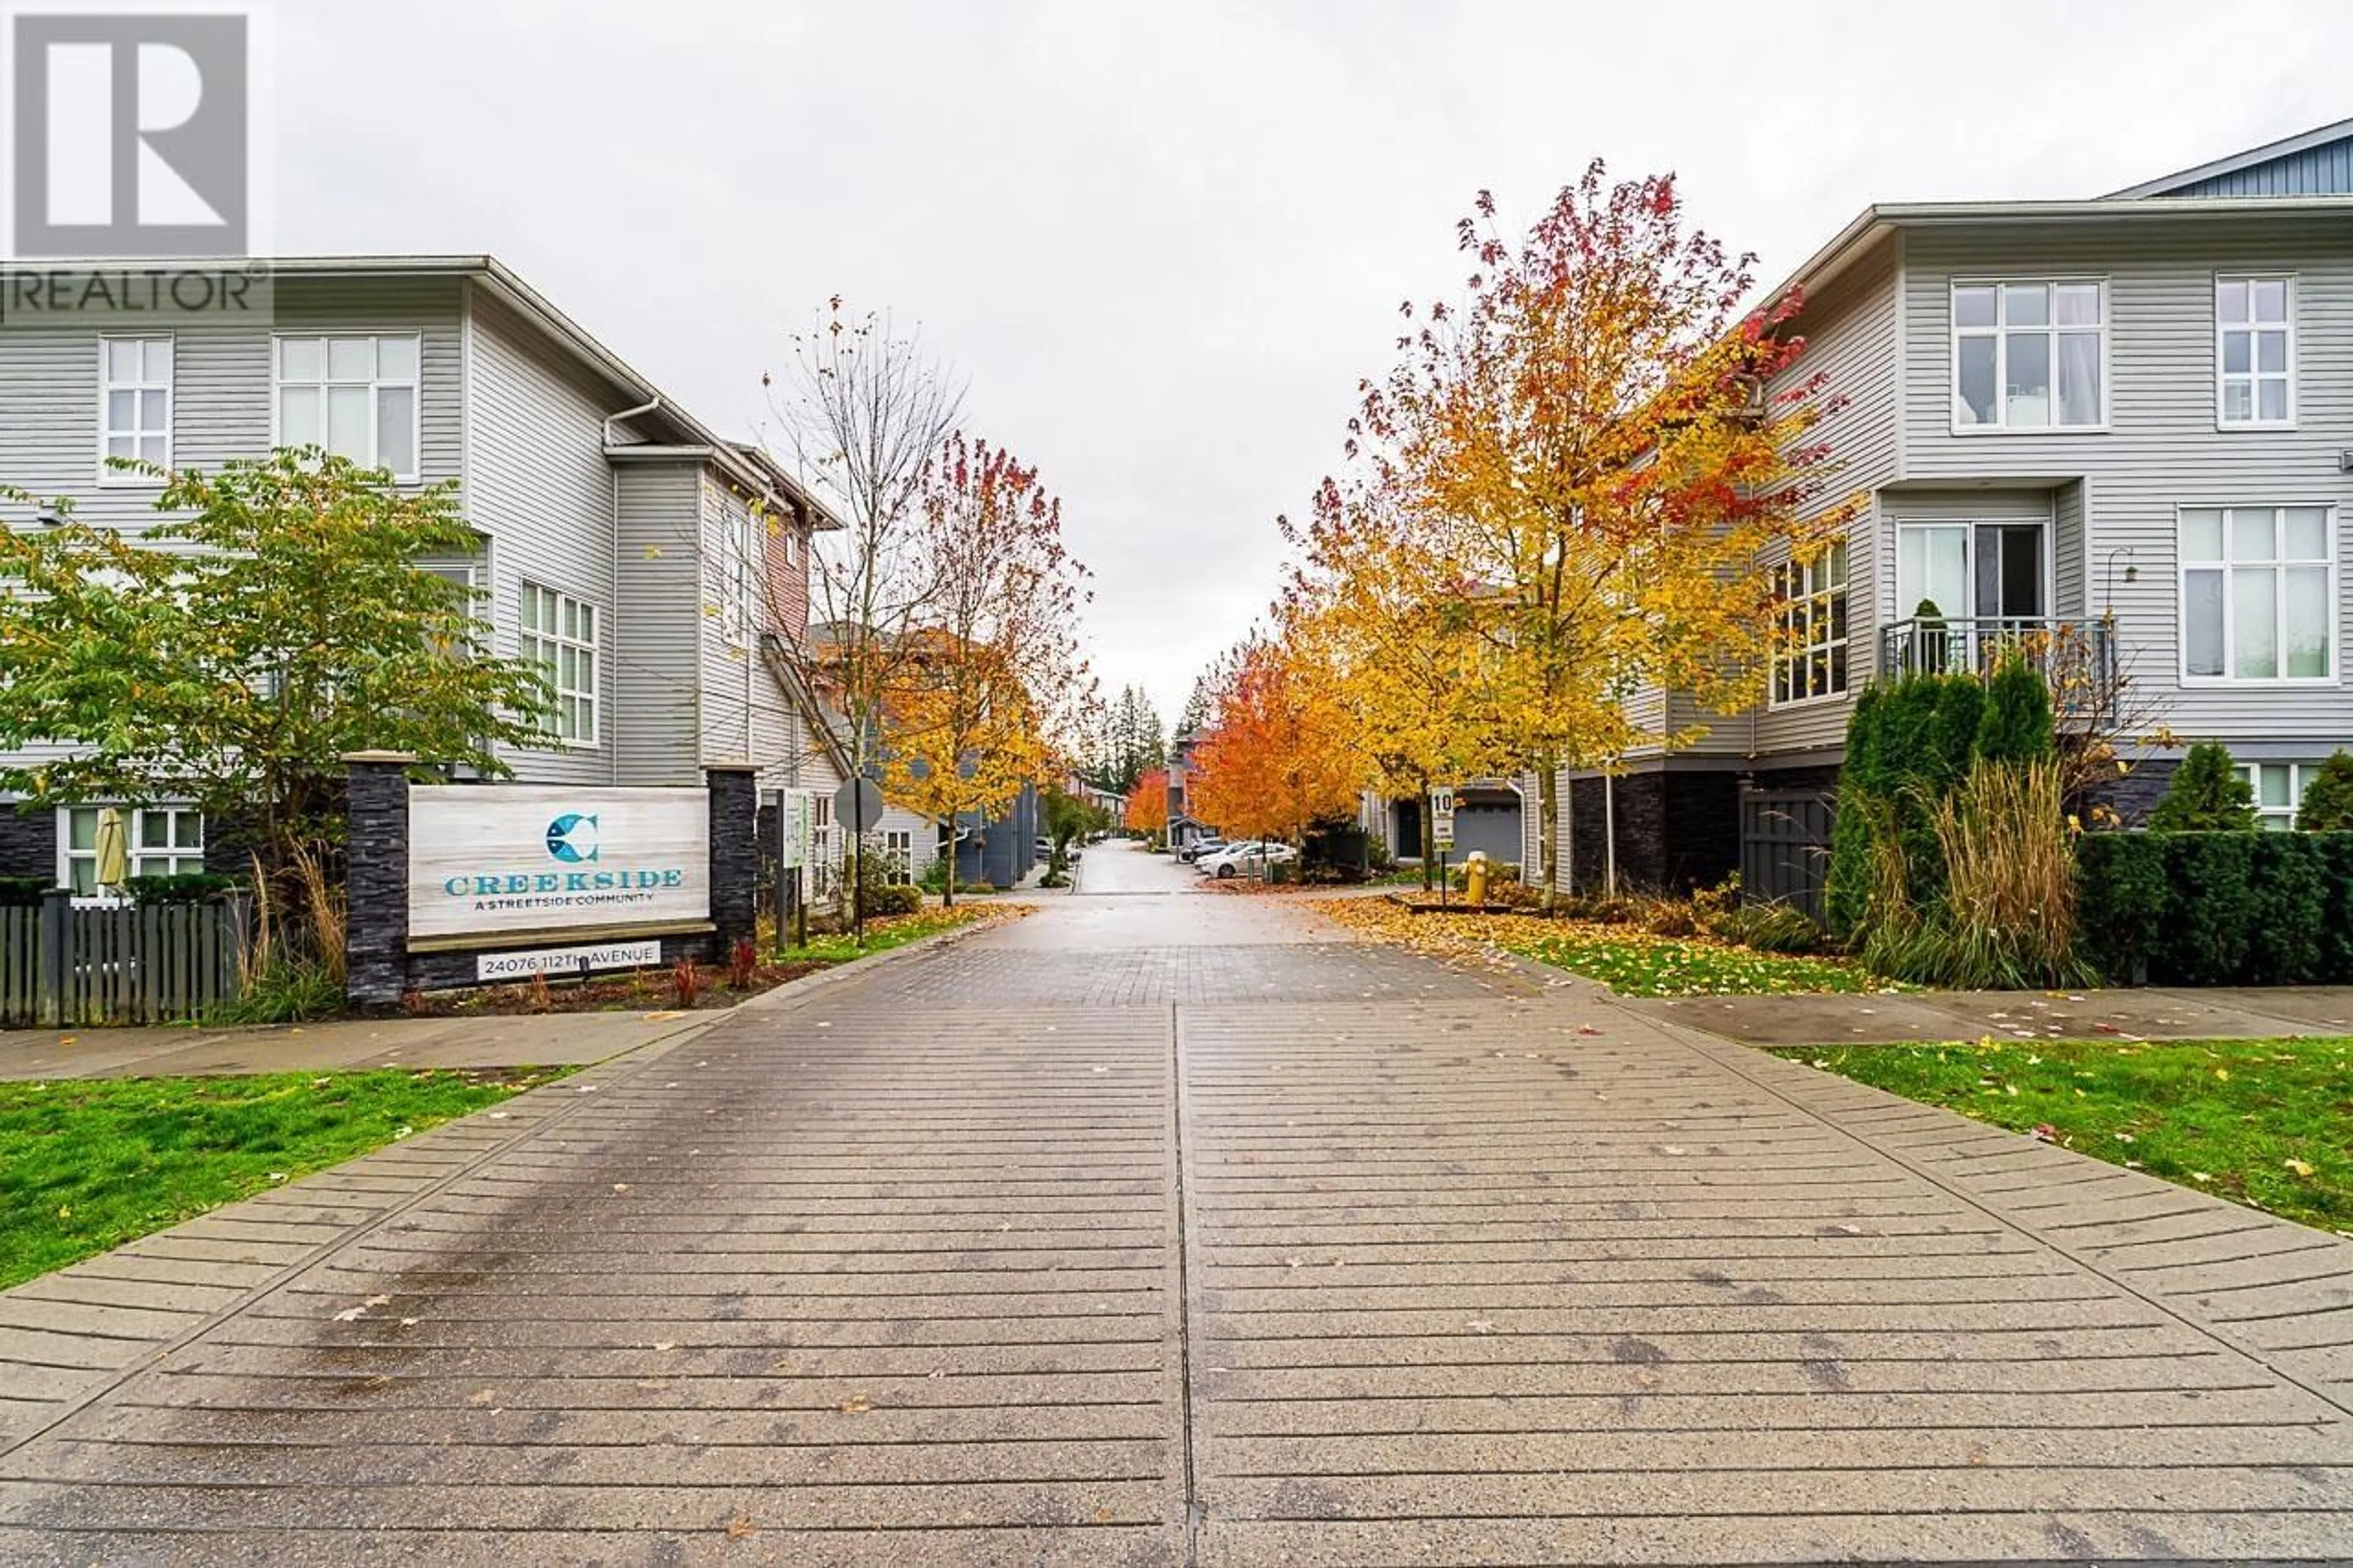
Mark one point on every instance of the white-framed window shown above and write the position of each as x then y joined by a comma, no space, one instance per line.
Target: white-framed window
159,841
1811,658
2279,792
2030,356
899,853
135,404
559,635
355,395
746,534
2254,350
470,576
2258,594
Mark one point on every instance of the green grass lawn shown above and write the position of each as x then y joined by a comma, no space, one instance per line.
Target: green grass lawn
881,935
1631,962
89,1165
1635,963
2268,1123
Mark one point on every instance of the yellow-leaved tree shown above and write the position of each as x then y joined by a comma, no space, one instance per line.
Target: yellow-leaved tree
1407,644
1600,454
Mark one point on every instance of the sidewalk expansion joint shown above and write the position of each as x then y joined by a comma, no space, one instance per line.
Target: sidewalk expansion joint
2210,1331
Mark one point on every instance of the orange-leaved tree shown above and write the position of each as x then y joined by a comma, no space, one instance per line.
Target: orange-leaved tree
1278,756
1605,454
1405,645
1147,803
993,662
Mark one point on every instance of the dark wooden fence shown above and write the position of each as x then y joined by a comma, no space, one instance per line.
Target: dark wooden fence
64,967
1785,846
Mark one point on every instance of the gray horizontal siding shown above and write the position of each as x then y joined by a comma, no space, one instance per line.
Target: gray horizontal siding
221,394
2069,547
541,487
746,715
656,681
2161,449
1853,340
221,387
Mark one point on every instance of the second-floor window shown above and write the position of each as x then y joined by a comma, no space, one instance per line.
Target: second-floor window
2258,593
355,397
1811,660
746,534
2029,355
2254,350
134,397
559,635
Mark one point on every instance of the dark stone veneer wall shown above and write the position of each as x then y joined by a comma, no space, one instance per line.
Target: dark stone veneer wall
1676,829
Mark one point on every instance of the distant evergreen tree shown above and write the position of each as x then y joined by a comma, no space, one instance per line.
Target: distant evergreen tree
2207,794
1196,715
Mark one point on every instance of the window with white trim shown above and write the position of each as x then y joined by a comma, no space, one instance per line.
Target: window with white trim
354,396
745,532
135,404
2254,350
2279,792
2258,593
2030,356
899,854
159,841
1810,660
559,635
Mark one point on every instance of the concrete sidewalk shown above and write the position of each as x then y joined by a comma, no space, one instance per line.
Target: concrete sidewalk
1895,1018
342,1044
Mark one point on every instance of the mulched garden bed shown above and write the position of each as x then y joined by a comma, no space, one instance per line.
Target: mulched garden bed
642,991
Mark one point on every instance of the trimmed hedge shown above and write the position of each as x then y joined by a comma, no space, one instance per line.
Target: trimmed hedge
24,892
2219,909
183,888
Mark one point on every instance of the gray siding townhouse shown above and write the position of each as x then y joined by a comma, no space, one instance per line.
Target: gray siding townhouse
2129,416
624,545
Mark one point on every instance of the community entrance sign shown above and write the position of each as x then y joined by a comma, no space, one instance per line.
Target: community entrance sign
547,857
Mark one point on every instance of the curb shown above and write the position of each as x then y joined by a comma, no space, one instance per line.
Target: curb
793,993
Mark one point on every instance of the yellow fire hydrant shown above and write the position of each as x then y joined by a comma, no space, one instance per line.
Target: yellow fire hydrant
1474,873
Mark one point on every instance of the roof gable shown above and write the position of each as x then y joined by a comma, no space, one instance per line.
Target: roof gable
2319,162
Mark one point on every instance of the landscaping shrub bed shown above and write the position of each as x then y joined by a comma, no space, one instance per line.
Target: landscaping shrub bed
2219,908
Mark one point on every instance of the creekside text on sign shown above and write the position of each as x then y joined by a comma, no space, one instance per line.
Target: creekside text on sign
493,859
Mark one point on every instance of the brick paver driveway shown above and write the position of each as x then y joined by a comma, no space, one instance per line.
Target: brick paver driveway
1164,1229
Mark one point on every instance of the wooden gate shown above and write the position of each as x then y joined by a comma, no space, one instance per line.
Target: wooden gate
63,967
1785,846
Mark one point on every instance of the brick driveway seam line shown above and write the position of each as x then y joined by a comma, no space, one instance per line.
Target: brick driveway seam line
1739,1059
1188,1229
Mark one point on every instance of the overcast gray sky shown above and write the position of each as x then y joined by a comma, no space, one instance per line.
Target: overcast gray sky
1164,241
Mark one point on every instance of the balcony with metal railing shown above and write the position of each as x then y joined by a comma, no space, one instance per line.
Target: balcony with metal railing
2076,656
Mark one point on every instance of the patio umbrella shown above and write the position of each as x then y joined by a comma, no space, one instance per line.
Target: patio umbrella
113,847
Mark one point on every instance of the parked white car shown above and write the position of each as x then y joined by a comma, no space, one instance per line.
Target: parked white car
1248,860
